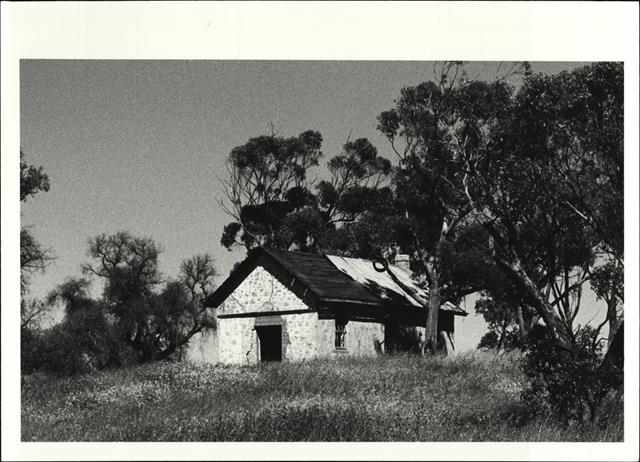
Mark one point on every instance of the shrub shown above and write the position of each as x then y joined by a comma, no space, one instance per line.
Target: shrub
511,341
84,342
572,384
31,350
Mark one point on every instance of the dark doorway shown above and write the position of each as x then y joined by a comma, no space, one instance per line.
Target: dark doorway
270,339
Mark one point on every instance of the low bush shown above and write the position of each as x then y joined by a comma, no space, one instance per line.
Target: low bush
32,351
573,385
85,342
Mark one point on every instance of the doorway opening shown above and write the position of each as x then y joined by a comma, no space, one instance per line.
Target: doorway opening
270,340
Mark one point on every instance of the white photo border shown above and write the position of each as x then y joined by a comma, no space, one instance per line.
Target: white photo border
416,31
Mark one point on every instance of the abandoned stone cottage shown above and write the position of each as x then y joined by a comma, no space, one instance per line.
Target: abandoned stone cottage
280,305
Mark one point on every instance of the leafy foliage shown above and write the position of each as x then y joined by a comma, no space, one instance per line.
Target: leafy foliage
154,322
437,129
546,182
527,167
33,313
574,121
85,341
274,203
32,179
574,386
34,257
137,319
504,332
608,281
540,171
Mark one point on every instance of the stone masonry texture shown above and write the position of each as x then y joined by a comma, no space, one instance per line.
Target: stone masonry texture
304,336
261,292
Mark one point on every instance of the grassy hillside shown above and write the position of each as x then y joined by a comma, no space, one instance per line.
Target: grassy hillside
471,397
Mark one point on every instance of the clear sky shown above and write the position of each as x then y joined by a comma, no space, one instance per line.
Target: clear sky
140,145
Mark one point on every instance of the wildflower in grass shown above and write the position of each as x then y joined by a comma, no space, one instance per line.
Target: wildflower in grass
408,399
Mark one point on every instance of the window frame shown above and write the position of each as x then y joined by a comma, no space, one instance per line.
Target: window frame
340,335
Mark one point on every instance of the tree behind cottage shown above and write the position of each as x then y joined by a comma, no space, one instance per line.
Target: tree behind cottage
435,129
479,154
272,195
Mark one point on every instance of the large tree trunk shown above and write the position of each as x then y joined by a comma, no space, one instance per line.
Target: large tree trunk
435,299
615,353
612,365
540,304
431,325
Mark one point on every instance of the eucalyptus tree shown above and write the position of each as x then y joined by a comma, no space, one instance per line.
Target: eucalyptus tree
437,129
275,197
530,167
551,191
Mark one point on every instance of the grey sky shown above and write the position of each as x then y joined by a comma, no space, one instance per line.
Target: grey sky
140,145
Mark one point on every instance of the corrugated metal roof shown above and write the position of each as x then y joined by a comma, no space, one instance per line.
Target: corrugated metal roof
393,285
340,279
380,282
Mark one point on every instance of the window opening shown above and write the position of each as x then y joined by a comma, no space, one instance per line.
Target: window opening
341,335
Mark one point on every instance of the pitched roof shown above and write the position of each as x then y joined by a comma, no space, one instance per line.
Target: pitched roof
334,279
394,284
322,277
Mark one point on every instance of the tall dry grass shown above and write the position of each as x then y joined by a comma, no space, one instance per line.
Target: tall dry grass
472,397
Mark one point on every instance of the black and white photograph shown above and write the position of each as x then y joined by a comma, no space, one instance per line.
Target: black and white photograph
322,250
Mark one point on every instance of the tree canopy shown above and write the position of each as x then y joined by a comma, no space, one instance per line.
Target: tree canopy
436,130
153,319
538,169
276,201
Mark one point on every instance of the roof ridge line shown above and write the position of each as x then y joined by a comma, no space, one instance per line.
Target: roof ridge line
269,249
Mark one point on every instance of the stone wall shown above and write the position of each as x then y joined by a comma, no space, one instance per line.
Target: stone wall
259,292
361,338
304,336
263,293
300,330
238,340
